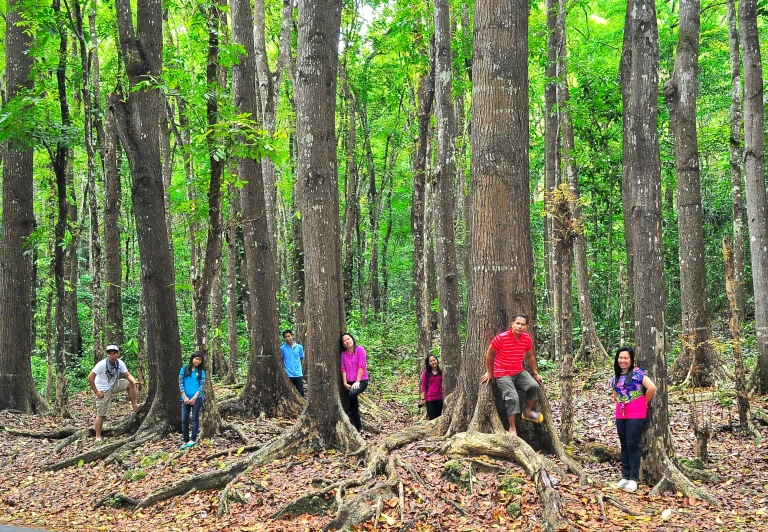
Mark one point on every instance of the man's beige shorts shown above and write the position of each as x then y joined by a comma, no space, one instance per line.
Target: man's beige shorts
103,403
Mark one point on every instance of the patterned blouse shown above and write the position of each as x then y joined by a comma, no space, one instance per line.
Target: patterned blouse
629,387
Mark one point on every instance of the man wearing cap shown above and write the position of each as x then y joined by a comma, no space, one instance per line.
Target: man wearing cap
108,377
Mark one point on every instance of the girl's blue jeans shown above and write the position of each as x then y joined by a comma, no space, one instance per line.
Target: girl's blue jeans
186,410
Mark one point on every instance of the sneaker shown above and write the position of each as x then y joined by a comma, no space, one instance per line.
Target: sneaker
182,446
190,443
631,486
621,483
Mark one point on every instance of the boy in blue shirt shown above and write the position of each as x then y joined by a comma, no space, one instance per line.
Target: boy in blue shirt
293,358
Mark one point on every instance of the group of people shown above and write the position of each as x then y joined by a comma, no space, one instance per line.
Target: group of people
519,388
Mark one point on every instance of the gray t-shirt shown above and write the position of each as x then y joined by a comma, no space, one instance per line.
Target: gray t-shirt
107,374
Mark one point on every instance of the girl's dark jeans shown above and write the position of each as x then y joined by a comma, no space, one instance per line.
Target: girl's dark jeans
195,411
434,409
630,432
354,404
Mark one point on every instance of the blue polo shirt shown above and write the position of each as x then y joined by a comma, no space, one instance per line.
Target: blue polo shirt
292,359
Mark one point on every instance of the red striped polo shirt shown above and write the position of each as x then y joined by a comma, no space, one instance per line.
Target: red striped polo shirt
510,353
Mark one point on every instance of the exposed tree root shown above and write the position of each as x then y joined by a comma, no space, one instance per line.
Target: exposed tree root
116,497
124,425
760,415
602,497
288,406
237,430
700,474
557,445
132,443
246,449
55,434
89,456
602,452
511,448
674,480
367,504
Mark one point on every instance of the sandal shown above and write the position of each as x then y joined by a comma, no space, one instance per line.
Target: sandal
538,419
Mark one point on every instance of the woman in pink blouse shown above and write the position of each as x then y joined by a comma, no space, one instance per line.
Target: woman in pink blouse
354,375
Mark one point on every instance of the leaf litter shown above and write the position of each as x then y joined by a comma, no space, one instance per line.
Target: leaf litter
479,494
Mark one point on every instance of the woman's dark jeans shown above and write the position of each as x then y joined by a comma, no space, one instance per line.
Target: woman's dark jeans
185,411
354,405
434,409
630,431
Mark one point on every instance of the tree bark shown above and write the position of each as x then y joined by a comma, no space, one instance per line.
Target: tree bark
93,207
351,207
500,274
267,389
445,174
60,156
232,260
136,116
426,93
269,89
736,141
734,324
697,357
107,140
202,284
17,389
319,25
754,177
552,169
639,72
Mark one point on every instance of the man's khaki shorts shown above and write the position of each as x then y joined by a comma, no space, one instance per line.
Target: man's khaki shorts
103,403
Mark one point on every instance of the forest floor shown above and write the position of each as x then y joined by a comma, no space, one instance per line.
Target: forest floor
464,496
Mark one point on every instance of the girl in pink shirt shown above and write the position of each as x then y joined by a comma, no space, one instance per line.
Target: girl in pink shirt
354,375
432,387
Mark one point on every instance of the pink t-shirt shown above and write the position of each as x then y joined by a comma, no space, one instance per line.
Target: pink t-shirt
432,387
351,362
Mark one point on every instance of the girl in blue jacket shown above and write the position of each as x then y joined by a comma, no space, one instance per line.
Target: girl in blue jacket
191,385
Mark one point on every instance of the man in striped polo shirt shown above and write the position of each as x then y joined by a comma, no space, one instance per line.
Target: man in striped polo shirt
504,362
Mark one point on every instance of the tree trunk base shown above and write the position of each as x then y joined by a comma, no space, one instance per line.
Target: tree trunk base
674,480
515,449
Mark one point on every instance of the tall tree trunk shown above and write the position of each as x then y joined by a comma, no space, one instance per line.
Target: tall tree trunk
269,89
212,262
500,274
319,24
351,207
445,174
267,388
136,116
93,206
754,177
736,141
426,93
60,156
17,389
112,319
552,169
734,324
697,357
591,350
232,260
113,263
639,73
218,361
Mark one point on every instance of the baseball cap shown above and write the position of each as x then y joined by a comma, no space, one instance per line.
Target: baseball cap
112,347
